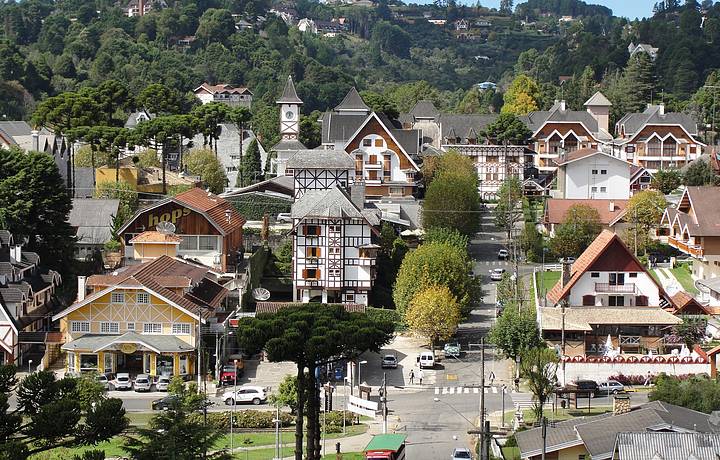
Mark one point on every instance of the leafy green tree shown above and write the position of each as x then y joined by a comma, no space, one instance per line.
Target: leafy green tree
507,128
434,264
434,313
452,201
380,104
643,214
699,173
391,39
666,180
310,335
691,331
515,331
539,367
119,191
448,236
579,228
522,96
250,170
148,158
310,130
406,95
508,212
698,392
53,413
287,393
531,242
210,116
177,433
34,205
511,289
159,99
204,163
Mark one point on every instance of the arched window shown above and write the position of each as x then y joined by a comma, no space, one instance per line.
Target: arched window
669,147
571,143
554,143
654,147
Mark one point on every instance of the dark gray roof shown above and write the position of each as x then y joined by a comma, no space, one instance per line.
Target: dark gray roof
93,219
288,144
280,185
320,159
535,120
667,446
424,109
339,127
131,121
634,122
289,96
162,343
5,237
409,139
352,102
16,128
598,432
84,182
452,125
328,203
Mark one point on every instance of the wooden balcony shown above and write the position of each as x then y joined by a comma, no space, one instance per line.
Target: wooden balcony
606,288
691,249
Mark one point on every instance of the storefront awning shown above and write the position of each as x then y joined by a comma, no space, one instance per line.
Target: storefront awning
129,342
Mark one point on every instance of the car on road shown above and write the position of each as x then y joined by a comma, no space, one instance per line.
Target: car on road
142,383
610,387
230,374
426,360
588,387
122,381
503,254
452,349
497,274
389,362
245,394
162,383
461,453
165,403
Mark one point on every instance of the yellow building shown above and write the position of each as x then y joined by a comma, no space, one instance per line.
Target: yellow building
143,180
140,319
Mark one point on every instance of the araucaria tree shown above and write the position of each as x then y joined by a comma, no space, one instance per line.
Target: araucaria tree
54,413
311,335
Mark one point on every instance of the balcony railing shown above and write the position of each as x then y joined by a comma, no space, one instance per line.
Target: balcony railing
629,340
628,288
692,249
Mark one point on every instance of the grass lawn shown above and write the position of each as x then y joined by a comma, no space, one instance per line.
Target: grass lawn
114,446
546,281
560,414
345,456
511,453
682,274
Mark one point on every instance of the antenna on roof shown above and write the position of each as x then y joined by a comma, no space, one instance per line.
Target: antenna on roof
166,228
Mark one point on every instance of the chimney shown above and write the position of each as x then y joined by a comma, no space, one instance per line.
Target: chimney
621,404
35,140
611,206
81,288
141,7
357,194
17,253
562,105
566,272
661,109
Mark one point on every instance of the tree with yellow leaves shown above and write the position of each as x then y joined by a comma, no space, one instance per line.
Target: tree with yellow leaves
522,96
434,313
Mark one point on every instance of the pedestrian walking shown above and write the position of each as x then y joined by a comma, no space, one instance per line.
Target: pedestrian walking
648,379
412,377
421,374
492,377
517,384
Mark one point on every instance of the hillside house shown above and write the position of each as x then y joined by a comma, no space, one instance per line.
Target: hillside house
227,94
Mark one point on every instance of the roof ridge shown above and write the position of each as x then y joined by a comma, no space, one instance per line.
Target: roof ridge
352,102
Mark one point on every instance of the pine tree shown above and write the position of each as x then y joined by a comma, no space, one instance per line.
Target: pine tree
639,82
250,171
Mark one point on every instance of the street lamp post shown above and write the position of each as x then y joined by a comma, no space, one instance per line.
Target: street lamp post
29,364
503,388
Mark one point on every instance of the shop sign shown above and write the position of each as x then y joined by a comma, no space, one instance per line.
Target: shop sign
128,348
171,216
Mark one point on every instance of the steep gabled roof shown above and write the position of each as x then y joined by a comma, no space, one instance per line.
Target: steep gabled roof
655,115
352,103
289,96
320,159
598,99
424,109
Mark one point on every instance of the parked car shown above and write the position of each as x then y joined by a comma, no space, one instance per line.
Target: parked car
165,403
611,386
230,374
122,381
569,260
104,380
245,394
142,383
503,254
588,386
461,453
497,274
162,383
426,360
452,349
389,362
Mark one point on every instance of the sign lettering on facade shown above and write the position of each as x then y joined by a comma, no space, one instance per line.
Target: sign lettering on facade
128,348
172,217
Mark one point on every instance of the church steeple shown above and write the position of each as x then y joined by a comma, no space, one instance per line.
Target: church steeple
289,111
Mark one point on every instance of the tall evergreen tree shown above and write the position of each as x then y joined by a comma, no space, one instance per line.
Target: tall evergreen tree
639,82
250,171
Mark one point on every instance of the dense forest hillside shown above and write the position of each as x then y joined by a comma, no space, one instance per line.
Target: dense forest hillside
402,52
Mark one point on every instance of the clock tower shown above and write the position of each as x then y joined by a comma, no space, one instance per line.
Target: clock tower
289,104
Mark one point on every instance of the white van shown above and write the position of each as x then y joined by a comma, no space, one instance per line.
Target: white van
426,360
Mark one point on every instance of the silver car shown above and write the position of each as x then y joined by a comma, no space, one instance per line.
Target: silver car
497,274
122,381
162,383
461,453
142,383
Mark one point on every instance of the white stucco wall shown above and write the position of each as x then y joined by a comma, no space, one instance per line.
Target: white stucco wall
603,371
643,284
580,179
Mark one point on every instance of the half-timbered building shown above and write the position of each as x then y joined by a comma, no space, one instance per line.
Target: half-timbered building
320,170
333,252
210,227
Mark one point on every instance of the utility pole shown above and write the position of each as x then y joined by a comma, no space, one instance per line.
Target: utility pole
544,436
562,338
383,399
483,441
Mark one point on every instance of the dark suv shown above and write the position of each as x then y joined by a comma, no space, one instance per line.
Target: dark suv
587,387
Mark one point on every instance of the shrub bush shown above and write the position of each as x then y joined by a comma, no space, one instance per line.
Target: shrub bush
334,420
250,419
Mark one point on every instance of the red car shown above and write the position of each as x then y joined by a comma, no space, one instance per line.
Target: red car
230,374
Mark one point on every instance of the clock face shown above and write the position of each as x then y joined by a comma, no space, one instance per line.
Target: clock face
289,114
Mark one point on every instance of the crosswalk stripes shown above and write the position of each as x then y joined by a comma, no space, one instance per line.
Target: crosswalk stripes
525,400
502,263
464,390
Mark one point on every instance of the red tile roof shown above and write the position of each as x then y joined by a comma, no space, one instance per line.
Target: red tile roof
575,155
684,303
215,208
556,209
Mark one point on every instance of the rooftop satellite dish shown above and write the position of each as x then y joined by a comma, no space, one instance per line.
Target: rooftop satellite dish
165,227
260,294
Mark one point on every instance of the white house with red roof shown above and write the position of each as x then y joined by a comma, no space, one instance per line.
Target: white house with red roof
236,96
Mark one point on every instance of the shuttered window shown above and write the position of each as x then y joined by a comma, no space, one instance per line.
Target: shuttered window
311,274
588,300
312,252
